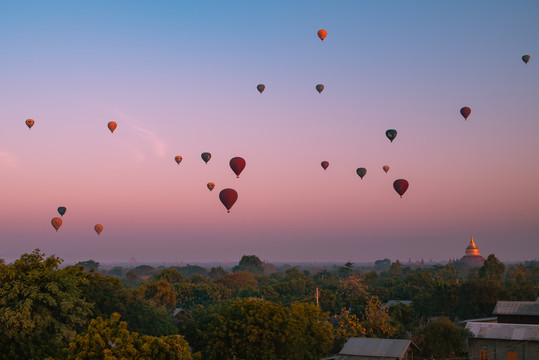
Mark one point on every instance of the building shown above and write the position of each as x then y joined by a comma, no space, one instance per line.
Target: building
514,337
503,341
379,349
472,255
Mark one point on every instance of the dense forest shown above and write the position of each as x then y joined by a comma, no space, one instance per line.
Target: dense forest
254,310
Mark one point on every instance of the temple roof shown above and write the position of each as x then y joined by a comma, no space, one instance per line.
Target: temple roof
472,249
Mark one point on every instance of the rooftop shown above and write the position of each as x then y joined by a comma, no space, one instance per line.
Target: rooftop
504,331
517,308
371,347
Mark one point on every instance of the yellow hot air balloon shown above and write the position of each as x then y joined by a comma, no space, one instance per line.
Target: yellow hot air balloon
211,186
112,126
178,159
98,228
56,223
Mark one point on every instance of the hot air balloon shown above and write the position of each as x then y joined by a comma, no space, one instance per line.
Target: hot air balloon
400,186
56,223
465,112
211,186
386,168
526,58
29,123
98,228
178,159
320,88
237,165
228,197
261,88
62,210
112,126
322,34
361,172
206,156
391,134
324,164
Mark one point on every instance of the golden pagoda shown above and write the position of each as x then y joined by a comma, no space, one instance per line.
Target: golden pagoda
472,255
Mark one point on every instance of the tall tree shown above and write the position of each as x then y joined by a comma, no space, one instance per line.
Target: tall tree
492,270
250,263
442,339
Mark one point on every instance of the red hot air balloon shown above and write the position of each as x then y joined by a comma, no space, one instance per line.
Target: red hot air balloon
465,112
228,197
178,159
112,126
322,34
324,164
237,165
98,228
56,223
400,186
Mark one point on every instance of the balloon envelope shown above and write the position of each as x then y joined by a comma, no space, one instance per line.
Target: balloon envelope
322,34
112,126
29,123
465,112
526,58
237,165
228,197
62,210
400,186
319,88
391,134
211,186
56,223
324,164
361,172
261,88
178,159
98,228
206,156
386,168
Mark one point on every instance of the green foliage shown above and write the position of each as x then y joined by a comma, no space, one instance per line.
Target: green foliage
250,263
254,329
41,307
110,339
238,281
492,269
158,293
89,265
376,320
190,295
171,275
442,339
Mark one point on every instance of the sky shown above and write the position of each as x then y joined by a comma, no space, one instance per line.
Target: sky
180,77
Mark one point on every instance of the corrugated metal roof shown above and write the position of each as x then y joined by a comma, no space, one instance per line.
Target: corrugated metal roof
360,357
391,303
391,348
516,308
504,331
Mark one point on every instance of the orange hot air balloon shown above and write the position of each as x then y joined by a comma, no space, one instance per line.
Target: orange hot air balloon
29,123
237,165
324,164
228,197
386,168
465,112
211,186
400,186
98,228
112,126
322,34
56,223
178,159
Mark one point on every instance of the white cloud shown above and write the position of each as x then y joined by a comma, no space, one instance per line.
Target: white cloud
159,146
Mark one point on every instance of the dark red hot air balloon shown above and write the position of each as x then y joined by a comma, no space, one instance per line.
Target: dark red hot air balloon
324,164
465,112
237,165
228,197
400,186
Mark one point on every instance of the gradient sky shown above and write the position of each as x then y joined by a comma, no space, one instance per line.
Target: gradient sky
179,78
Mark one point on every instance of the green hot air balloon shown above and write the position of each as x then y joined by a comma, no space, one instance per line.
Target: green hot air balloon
62,210
391,134
361,172
206,156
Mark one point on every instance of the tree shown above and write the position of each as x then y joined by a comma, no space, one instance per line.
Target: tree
353,291
41,307
250,263
110,339
492,270
158,293
347,325
217,272
238,281
89,265
171,275
253,329
376,320
442,339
